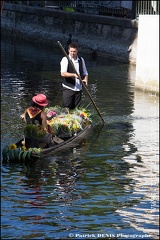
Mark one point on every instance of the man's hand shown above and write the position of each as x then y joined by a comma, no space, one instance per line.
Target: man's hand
76,76
85,81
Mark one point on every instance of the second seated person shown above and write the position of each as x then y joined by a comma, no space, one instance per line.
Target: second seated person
72,85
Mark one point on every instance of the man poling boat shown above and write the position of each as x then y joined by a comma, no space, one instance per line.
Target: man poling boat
80,78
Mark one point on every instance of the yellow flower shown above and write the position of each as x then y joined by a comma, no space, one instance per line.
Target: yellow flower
38,149
12,146
71,121
24,148
75,127
83,114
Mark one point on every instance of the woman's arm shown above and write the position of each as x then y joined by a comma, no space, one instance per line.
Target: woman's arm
23,115
44,120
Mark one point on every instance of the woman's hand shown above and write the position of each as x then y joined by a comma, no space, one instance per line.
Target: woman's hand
22,116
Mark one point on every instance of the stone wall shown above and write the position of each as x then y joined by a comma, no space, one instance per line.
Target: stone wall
99,35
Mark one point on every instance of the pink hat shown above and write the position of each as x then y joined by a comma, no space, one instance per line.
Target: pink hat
40,99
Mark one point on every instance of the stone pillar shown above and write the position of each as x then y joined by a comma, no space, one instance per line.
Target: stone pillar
147,62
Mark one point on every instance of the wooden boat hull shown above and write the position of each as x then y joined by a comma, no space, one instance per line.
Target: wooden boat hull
18,154
68,127
67,142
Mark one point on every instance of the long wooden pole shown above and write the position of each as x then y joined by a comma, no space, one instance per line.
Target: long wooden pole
72,65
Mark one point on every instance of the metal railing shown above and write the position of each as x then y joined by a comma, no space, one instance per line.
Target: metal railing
107,8
125,9
147,7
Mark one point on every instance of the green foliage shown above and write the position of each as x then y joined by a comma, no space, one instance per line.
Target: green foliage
55,128
67,121
68,9
34,131
20,153
57,109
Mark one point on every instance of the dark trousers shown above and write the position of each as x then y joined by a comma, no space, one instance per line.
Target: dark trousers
71,99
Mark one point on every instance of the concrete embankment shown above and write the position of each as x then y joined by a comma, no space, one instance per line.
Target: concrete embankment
110,37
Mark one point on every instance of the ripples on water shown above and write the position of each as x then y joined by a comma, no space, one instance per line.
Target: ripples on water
107,185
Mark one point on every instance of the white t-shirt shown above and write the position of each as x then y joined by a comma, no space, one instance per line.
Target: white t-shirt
64,67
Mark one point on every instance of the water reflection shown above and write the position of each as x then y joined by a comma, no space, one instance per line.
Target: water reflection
106,184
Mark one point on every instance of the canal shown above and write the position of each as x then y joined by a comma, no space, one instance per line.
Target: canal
104,187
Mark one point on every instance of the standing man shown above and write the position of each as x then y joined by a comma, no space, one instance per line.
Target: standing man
72,86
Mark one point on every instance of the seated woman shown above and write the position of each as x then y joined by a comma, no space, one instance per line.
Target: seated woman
35,115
